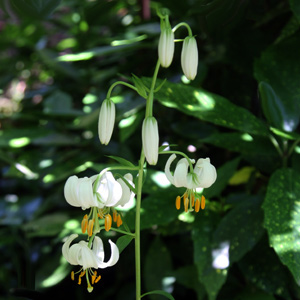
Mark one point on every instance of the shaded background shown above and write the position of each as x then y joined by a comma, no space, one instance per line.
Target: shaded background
57,61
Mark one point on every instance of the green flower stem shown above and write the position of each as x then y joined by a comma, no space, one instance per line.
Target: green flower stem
149,105
276,145
122,83
138,228
185,25
120,231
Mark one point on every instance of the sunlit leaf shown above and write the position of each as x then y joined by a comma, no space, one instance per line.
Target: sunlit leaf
282,218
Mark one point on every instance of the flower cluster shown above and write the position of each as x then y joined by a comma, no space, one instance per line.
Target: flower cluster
103,194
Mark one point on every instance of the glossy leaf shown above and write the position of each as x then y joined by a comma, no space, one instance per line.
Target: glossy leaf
279,67
123,242
209,107
282,218
272,106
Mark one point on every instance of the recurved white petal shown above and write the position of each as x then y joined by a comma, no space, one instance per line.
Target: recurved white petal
66,247
127,194
99,253
167,168
180,174
70,191
85,193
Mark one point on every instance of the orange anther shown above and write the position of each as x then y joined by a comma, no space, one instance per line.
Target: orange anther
115,216
93,279
79,280
108,221
177,203
82,274
202,202
90,227
193,199
98,278
72,275
84,224
197,205
119,220
185,195
186,204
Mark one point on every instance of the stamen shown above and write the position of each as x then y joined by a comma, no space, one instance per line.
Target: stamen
82,274
98,278
119,220
90,288
115,215
197,205
202,202
93,279
186,204
108,222
84,224
72,275
90,228
177,203
79,280
193,199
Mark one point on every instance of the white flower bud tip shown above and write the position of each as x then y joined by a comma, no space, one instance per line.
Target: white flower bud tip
166,47
106,121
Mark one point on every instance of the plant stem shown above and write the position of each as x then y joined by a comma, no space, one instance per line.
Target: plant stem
122,83
138,229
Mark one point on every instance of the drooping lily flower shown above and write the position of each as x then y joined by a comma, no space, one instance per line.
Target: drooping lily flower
150,139
109,193
106,121
203,176
81,254
189,57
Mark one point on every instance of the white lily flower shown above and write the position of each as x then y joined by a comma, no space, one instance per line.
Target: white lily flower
204,176
189,57
166,47
150,139
81,254
106,121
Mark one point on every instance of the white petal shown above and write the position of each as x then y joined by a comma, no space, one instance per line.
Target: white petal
166,47
66,246
87,257
127,194
206,172
167,168
180,174
109,189
114,257
85,193
70,191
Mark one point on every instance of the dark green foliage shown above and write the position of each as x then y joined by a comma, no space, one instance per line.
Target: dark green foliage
57,61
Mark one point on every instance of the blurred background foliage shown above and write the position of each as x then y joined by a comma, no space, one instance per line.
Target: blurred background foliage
57,61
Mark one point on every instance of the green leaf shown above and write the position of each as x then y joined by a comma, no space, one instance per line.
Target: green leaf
157,209
240,229
141,89
123,242
286,135
122,161
282,218
279,66
224,173
272,105
158,292
212,278
262,267
209,107
35,8
157,265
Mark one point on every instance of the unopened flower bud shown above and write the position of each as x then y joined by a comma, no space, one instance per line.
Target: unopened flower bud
189,57
106,121
150,140
166,47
